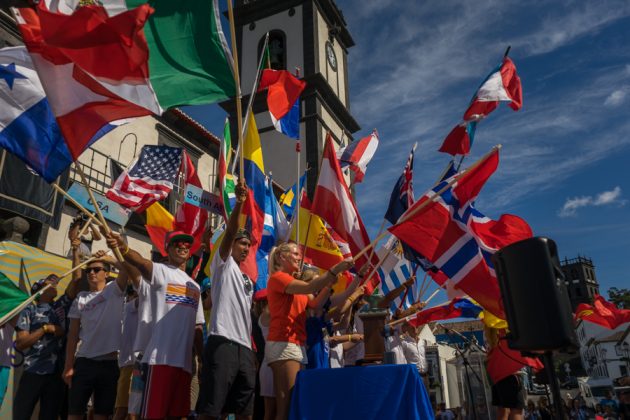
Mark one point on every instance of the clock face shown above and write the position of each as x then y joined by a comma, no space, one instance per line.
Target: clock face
330,55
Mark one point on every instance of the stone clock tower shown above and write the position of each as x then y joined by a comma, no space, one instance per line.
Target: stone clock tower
309,35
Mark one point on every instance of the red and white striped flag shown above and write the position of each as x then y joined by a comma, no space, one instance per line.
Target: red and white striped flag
149,179
333,203
358,154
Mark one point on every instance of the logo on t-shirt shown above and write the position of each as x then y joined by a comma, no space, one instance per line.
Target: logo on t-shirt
182,295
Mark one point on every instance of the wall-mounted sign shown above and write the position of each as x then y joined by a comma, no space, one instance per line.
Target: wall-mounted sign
111,210
204,199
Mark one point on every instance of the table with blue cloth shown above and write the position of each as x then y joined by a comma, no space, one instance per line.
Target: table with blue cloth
370,392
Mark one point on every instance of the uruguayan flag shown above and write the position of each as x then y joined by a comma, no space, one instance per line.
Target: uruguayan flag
28,128
394,271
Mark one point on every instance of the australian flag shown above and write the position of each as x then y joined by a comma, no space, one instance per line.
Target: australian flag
149,179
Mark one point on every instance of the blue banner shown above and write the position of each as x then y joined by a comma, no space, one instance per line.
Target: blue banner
111,210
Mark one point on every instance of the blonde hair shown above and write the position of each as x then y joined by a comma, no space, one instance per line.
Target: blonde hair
274,257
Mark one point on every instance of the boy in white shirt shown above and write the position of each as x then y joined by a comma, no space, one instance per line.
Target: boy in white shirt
170,303
95,323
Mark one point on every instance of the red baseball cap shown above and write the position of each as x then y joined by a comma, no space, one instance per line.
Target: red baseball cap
177,236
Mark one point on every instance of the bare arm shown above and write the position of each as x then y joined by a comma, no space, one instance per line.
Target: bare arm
338,298
71,348
231,227
319,282
391,296
134,262
25,339
318,302
347,304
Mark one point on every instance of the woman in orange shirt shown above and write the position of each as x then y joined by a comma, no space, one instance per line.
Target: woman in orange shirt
288,299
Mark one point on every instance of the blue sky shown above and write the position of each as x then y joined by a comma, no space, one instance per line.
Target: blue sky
564,162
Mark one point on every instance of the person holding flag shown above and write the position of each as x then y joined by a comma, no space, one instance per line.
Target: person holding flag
228,374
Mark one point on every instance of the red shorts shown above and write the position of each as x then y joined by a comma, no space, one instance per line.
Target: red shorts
166,393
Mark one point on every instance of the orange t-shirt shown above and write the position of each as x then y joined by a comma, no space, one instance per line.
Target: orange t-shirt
288,312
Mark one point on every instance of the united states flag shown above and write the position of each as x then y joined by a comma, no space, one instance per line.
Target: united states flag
149,179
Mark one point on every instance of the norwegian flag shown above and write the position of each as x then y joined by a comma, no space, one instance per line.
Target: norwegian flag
501,85
150,178
402,194
458,239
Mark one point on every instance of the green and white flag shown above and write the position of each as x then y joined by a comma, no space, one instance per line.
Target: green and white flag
11,297
226,180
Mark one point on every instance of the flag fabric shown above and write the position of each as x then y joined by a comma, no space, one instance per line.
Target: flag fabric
226,181
150,178
190,218
602,313
89,73
159,222
318,246
401,197
275,227
10,295
254,206
457,308
189,62
458,239
289,199
394,271
358,154
28,127
334,204
501,85
283,94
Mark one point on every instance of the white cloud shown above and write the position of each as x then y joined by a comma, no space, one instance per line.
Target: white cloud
616,98
604,198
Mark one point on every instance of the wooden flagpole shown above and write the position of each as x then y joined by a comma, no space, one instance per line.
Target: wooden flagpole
237,83
414,211
408,317
104,224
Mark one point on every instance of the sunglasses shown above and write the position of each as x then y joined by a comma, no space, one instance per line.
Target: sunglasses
182,244
96,270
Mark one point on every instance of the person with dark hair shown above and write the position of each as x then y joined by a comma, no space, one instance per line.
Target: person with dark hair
39,331
170,316
228,374
91,367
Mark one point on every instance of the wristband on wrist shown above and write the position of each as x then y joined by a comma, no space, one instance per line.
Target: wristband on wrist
45,329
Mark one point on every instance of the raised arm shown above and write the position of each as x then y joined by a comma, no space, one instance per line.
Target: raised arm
303,288
134,262
391,296
231,227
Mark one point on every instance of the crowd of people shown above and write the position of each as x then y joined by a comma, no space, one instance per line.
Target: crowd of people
143,339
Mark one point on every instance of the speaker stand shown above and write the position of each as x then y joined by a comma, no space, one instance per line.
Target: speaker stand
467,369
554,384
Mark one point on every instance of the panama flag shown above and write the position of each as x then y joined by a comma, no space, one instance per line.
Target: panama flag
501,85
28,126
283,100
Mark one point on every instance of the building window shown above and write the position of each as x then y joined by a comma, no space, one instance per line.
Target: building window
277,49
574,274
623,369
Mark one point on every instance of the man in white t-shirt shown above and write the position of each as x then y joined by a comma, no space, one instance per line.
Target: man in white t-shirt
91,367
170,317
228,375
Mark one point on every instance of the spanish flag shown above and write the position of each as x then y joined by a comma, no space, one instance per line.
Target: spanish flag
159,221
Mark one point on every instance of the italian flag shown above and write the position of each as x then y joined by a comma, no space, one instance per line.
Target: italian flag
189,61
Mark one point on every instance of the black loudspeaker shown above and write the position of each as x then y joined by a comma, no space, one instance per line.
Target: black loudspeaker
535,297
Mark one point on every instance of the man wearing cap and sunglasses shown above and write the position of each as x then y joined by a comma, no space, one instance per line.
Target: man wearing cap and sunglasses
228,375
170,319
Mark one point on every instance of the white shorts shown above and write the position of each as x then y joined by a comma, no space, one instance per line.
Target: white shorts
281,350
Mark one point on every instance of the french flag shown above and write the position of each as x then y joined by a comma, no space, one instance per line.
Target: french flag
283,94
501,85
93,69
358,154
459,240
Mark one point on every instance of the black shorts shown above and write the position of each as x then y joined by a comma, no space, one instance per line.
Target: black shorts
93,376
227,378
509,392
